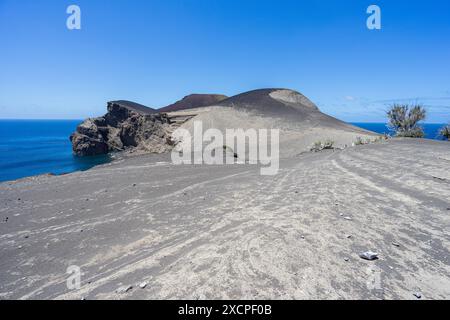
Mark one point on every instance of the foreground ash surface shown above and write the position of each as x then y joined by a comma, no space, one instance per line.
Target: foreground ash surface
219,232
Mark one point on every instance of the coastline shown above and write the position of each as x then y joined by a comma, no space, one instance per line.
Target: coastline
220,232
82,164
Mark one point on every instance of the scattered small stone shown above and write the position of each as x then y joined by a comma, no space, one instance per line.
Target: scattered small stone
368,255
142,285
395,244
303,237
19,199
418,295
81,230
83,298
124,289
26,237
341,214
348,218
200,296
346,259
134,184
349,236
19,247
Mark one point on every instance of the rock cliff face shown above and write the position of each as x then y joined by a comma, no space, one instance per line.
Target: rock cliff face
126,126
129,126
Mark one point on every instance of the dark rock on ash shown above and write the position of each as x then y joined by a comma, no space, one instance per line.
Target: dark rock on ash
126,126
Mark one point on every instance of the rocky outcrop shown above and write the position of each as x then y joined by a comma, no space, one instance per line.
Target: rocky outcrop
194,101
133,127
130,126
126,126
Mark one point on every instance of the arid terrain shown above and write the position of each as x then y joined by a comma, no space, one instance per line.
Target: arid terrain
134,128
219,232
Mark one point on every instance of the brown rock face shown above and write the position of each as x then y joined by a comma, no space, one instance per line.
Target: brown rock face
133,127
194,101
126,126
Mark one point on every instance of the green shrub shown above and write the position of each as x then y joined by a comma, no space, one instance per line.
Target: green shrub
319,145
328,144
359,141
445,132
404,120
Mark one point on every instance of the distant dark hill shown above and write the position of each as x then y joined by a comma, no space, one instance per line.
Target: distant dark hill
129,126
271,101
194,101
133,106
300,123
288,104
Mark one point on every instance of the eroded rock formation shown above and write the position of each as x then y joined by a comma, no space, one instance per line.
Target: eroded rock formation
133,127
126,126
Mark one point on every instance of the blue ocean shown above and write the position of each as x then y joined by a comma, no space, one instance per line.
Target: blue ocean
431,130
33,147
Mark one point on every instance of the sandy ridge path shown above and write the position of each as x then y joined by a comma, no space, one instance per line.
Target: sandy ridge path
227,232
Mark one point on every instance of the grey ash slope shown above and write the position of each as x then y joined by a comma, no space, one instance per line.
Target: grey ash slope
299,121
287,103
226,232
194,101
262,100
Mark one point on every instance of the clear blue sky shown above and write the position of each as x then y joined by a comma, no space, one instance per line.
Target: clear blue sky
156,51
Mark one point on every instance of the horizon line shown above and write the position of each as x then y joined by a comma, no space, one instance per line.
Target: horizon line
81,119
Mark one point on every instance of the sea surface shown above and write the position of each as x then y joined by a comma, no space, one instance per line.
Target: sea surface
33,147
431,130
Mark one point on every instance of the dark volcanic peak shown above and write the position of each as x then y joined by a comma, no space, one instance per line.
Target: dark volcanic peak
271,101
131,126
133,106
286,104
194,101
